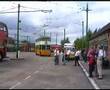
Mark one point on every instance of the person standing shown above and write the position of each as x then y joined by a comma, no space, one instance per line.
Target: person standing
60,56
77,57
91,61
56,55
101,55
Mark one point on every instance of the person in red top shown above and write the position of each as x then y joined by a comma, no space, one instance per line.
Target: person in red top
91,61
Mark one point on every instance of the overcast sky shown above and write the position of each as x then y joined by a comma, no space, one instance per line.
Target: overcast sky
65,14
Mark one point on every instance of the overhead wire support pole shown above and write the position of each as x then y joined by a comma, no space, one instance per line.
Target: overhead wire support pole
83,35
44,32
64,37
87,10
87,24
17,51
50,36
56,38
28,41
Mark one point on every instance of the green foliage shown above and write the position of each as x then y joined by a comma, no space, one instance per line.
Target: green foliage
83,42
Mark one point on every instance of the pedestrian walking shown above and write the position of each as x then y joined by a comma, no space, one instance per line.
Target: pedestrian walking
77,57
91,61
101,55
56,55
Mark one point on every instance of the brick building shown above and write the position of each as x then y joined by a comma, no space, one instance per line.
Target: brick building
102,37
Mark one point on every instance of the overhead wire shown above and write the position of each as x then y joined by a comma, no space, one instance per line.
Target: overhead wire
9,9
27,7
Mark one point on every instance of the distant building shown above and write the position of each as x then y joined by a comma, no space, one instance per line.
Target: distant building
102,37
11,44
27,46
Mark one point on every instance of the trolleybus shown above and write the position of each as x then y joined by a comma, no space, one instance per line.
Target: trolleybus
42,46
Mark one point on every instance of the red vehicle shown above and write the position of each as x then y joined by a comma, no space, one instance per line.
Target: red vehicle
3,40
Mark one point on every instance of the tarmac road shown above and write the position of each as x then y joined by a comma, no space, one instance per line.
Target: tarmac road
35,72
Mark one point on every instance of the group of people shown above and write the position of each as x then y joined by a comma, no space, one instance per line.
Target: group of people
61,54
94,57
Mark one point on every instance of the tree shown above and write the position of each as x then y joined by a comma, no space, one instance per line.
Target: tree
77,43
83,42
88,37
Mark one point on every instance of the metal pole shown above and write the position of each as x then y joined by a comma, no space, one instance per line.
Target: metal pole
56,38
87,25
64,34
44,32
83,34
18,32
50,36
28,42
64,37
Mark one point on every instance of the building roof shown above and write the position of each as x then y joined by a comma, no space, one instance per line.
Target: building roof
43,38
103,30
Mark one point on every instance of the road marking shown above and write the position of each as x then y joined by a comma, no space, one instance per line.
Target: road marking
27,77
90,79
15,85
36,72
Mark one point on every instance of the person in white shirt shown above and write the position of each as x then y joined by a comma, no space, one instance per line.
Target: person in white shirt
101,54
60,56
56,55
77,57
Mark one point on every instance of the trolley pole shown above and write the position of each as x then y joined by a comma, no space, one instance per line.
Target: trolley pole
17,51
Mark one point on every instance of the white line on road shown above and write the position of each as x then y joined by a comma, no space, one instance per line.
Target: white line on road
36,72
27,77
90,79
15,85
